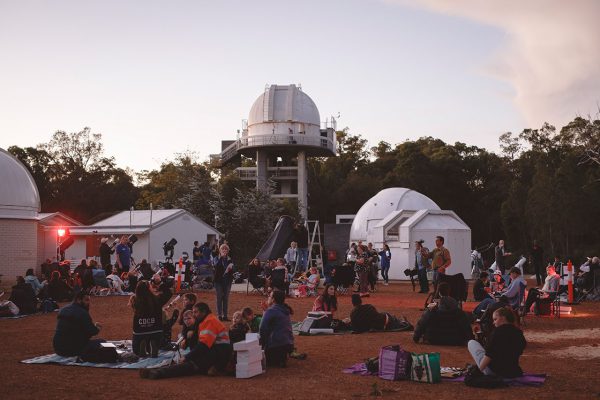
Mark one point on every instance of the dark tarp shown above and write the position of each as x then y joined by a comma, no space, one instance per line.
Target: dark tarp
279,241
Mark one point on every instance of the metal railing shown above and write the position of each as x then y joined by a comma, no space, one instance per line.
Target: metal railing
276,140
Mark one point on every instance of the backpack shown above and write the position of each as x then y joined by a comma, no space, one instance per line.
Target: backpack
48,305
100,354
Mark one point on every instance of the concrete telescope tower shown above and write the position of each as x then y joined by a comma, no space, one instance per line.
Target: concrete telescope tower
282,130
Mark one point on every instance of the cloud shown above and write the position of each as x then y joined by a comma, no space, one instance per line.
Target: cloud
551,56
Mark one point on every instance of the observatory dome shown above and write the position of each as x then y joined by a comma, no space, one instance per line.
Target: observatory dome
19,197
284,104
383,203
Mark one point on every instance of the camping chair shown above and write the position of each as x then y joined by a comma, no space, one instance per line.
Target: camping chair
459,289
203,277
278,280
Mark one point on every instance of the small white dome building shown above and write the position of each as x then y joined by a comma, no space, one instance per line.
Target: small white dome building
400,217
19,207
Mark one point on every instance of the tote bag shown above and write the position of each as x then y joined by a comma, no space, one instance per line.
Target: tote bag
425,368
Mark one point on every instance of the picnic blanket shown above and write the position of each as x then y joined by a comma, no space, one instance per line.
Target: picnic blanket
25,315
164,359
534,380
296,330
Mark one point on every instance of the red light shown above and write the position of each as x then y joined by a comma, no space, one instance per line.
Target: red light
61,232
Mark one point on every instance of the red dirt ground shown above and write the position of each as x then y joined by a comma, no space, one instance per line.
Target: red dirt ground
317,377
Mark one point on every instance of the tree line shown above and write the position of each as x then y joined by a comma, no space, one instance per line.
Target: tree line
544,184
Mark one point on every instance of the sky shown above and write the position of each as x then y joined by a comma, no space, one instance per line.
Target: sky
157,78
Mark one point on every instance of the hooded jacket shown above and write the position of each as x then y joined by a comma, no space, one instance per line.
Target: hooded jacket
276,327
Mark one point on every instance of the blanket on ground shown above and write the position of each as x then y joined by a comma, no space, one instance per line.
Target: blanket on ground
164,359
534,380
296,329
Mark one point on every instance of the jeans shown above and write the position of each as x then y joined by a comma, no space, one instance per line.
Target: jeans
222,289
540,273
481,307
302,259
423,281
384,273
478,352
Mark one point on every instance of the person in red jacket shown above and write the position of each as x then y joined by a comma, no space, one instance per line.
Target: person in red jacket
211,353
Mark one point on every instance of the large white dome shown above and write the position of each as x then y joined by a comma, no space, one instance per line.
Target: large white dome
283,103
382,204
19,197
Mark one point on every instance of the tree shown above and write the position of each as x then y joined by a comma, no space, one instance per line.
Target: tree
75,177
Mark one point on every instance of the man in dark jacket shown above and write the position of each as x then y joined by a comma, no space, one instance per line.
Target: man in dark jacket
23,296
365,317
74,328
276,334
444,323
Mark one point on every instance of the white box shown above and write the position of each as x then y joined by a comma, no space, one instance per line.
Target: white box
251,336
248,366
249,356
246,345
247,374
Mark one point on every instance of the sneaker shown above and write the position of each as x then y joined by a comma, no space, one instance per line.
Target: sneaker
385,284
298,356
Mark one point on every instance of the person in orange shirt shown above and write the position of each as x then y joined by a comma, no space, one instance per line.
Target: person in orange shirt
209,356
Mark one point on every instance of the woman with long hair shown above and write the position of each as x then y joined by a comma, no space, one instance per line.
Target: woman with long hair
223,278
147,321
327,300
255,274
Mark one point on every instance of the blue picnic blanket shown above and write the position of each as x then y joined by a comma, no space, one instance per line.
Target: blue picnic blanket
164,359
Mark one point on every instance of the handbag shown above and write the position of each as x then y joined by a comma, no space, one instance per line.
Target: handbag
394,363
425,368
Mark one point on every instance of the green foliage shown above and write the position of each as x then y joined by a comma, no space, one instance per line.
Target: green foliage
74,176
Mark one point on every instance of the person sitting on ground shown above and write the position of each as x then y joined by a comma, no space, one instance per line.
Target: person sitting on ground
189,333
115,283
238,329
57,289
255,274
481,287
7,308
444,323
547,293
147,321
80,269
33,281
189,299
74,328
276,336
88,278
209,356
327,300
253,320
23,296
504,347
365,317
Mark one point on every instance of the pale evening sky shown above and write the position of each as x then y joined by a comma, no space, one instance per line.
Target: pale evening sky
160,77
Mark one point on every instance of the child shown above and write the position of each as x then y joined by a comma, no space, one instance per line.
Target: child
252,320
188,332
239,328
189,299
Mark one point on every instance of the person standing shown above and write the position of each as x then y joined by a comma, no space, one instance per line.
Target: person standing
536,258
105,252
291,255
123,254
501,255
196,252
385,256
422,265
440,258
301,239
276,336
223,279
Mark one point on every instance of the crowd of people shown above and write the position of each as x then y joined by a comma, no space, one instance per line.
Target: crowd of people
491,332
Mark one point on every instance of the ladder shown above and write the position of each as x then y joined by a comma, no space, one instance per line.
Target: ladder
314,238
